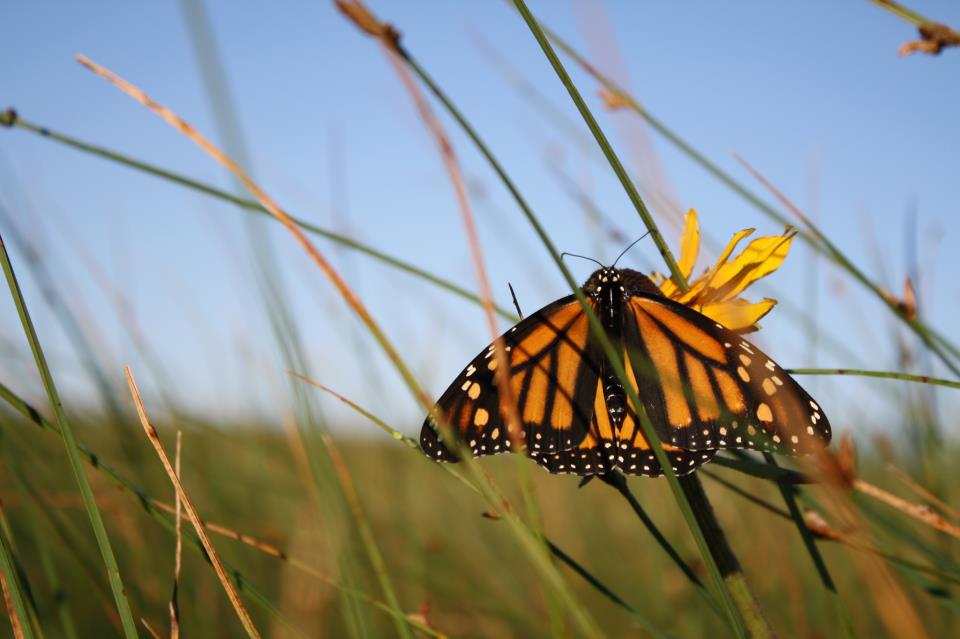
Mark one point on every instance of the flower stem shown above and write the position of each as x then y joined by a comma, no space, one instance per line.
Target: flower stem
733,576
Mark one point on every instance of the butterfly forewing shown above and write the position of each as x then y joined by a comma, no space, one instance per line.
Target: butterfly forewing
552,374
705,387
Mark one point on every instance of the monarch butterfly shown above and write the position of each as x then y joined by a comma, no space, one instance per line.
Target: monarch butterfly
703,387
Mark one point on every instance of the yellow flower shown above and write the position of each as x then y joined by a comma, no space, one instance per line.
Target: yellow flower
716,292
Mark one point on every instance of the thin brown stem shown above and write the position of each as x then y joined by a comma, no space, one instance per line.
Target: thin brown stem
178,507
154,438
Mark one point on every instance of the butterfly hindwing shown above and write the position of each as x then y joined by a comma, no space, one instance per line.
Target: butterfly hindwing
705,387
552,376
606,448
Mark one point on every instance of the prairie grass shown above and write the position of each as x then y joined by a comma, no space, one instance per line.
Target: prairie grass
312,532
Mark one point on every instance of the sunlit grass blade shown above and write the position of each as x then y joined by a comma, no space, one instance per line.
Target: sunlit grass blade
943,346
60,597
174,604
919,379
15,598
741,607
155,509
151,433
86,492
253,206
272,287
554,549
506,393
366,532
619,482
833,251
528,540
787,491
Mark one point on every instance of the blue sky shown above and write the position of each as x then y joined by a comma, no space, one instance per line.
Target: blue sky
812,94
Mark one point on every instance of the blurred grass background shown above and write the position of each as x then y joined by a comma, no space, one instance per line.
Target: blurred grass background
453,565
438,545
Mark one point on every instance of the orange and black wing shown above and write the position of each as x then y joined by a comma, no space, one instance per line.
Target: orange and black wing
606,448
705,387
554,367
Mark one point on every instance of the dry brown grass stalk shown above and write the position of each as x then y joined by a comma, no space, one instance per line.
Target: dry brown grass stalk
150,631
262,546
920,512
268,203
893,606
356,11
178,507
191,512
923,492
11,612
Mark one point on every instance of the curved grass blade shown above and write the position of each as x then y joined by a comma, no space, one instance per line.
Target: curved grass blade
943,348
151,433
250,205
688,491
86,492
19,615
919,379
788,493
524,534
552,547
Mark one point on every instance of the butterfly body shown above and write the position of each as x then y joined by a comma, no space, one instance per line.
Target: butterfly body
703,387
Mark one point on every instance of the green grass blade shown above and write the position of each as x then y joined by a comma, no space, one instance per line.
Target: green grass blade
47,562
552,547
90,504
602,141
619,482
609,594
273,292
252,206
936,342
788,493
919,379
164,519
595,327
60,599
688,492
12,581
907,14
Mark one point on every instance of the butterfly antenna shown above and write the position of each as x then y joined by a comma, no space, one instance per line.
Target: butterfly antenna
516,304
632,244
582,257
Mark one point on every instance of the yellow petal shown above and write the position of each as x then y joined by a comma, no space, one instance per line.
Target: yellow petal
668,287
762,256
698,287
689,249
689,243
738,314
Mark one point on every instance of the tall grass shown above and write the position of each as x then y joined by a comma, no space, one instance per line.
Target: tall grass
333,548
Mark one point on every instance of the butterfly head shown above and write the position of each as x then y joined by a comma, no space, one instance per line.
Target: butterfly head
625,281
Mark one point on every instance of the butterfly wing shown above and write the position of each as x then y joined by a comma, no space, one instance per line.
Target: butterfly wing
606,448
554,367
705,387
